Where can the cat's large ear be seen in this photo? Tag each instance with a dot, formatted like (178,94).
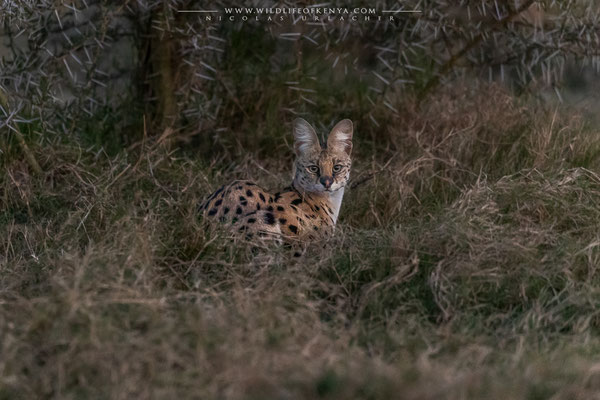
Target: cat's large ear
(340,137)
(305,138)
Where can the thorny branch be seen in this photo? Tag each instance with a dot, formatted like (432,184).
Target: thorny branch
(68,63)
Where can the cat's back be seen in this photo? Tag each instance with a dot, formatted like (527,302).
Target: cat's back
(235,200)
(248,208)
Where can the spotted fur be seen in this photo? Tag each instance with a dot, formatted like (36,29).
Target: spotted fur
(305,210)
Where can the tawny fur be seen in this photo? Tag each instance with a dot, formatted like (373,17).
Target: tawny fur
(305,210)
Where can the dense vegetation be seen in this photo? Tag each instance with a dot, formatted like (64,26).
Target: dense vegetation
(465,263)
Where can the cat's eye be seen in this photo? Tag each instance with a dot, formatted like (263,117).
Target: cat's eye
(313,169)
(337,167)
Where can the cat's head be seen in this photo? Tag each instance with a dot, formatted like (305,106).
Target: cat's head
(322,169)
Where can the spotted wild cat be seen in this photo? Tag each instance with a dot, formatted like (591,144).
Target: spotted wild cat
(309,207)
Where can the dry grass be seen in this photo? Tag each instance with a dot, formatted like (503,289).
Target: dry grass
(465,266)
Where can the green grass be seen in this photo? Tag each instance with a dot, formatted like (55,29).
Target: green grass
(465,265)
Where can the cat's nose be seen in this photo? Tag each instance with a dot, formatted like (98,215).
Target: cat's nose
(326,181)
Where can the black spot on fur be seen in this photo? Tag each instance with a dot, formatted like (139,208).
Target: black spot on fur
(293,229)
(269,218)
(270,208)
(282,220)
(244,203)
(260,195)
(250,184)
(270,199)
(234,220)
(242,198)
(218,203)
(279,208)
(296,201)
(317,208)
(217,192)
(238,210)
(316,228)
(249,193)
(277,196)
(294,208)
(225,210)
(212,212)
(257,206)
(251,220)
(296,254)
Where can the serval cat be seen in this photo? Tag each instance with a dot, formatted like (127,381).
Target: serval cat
(305,210)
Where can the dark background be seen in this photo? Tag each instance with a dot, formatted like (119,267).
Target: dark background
(465,260)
